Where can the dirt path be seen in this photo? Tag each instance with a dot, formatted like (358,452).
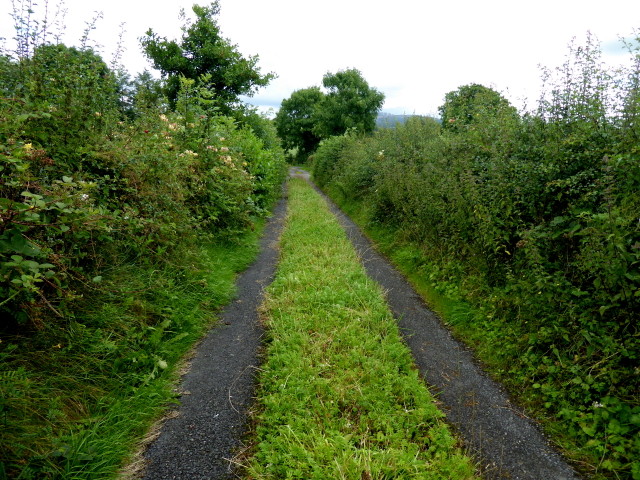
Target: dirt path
(211,419)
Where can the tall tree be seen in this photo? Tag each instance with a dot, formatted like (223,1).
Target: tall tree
(202,54)
(295,121)
(470,104)
(349,104)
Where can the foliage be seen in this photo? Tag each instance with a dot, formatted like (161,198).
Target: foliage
(344,361)
(533,219)
(203,51)
(310,115)
(62,97)
(111,209)
(470,105)
(296,122)
(349,104)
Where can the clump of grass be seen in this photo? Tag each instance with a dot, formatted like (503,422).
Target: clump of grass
(339,394)
(76,399)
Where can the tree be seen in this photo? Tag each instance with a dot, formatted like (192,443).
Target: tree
(202,51)
(310,115)
(469,104)
(296,122)
(349,104)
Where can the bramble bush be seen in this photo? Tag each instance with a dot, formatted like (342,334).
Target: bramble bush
(111,184)
(533,218)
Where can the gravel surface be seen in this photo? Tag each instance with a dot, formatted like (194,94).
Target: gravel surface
(496,432)
(218,389)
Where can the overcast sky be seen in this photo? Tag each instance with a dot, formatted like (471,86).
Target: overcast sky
(415,51)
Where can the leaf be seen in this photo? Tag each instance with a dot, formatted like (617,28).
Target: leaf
(31,265)
(97,279)
(588,429)
(8,204)
(66,179)
(19,244)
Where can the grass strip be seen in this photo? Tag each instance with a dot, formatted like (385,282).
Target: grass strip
(339,394)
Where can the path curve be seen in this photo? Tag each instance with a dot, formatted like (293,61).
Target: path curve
(218,388)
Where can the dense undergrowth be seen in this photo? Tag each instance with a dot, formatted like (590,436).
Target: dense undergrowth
(339,395)
(122,223)
(532,219)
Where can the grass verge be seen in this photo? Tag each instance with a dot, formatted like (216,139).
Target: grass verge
(339,394)
(77,396)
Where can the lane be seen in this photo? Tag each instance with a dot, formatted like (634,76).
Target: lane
(198,442)
(218,389)
(503,439)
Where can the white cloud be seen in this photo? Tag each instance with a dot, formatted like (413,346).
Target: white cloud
(415,51)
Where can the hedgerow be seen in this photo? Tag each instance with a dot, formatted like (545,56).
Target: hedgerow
(122,222)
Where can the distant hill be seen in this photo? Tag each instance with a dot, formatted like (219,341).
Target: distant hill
(389,120)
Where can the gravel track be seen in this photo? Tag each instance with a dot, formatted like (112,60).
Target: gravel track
(212,417)
(218,389)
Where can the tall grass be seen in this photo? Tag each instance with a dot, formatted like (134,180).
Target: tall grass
(76,401)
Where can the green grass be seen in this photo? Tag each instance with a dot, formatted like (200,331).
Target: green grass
(339,394)
(78,396)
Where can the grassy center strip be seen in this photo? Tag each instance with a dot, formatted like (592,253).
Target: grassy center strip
(339,394)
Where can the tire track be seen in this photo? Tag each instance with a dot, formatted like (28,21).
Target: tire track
(501,437)
(198,441)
